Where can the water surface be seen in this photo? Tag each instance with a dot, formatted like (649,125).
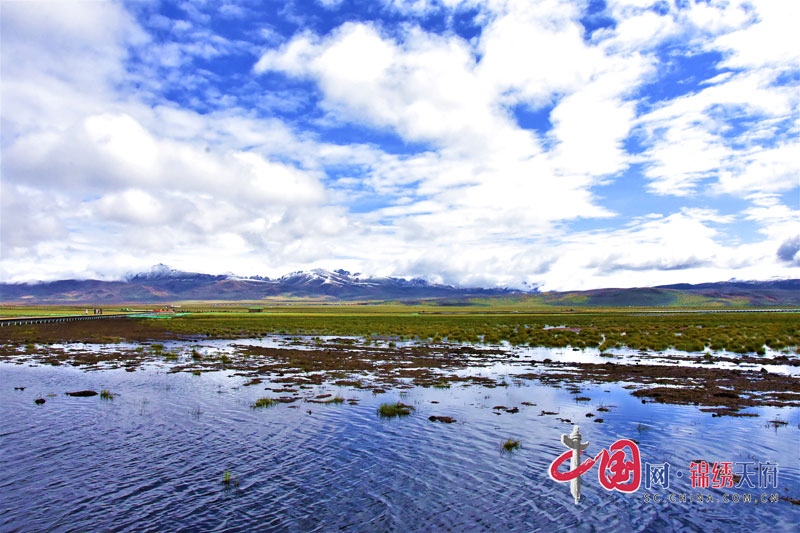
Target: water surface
(153,458)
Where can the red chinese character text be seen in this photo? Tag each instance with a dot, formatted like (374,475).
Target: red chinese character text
(699,474)
(615,472)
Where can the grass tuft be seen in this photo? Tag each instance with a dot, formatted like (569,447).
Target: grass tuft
(263,403)
(510,445)
(391,410)
(335,399)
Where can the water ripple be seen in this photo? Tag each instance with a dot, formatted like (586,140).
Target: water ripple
(154,457)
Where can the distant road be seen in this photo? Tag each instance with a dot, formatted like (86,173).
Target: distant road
(23,320)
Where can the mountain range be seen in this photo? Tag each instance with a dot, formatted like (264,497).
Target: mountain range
(164,284)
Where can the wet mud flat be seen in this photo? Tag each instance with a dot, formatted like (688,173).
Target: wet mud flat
(291,364)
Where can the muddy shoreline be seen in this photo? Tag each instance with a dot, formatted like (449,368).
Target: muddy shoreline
(305,362)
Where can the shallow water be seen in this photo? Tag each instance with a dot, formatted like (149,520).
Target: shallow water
(153,458)
(517,354)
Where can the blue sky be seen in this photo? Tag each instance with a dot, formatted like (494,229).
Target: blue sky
(558,144)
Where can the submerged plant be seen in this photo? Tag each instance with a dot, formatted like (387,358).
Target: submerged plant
(510,445)
(391,410)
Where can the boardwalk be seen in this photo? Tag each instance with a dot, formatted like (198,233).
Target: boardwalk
(21,321)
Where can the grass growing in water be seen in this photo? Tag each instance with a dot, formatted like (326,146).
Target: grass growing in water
(510,445)
(106,394)
(391,410)
(226,477)
(263,403)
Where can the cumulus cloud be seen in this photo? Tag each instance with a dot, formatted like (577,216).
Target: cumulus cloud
(130,138)
(789,250)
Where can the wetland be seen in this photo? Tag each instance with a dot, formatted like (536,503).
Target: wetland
(394,420)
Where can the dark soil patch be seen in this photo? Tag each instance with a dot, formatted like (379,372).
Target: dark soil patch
(443,419)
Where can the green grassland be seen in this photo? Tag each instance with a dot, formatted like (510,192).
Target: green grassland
(606,330)
(488,322)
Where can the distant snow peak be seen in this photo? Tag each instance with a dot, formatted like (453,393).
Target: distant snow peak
(158,271)
(315,281)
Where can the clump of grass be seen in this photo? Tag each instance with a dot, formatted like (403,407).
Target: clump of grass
(510,445)
(196,372)
(263,403)
(227,477)
(335,399)
(441,385)
(106,394)
(391,410)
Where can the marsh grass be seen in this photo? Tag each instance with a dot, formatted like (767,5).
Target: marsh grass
(510,445)
(263,403)
(603,329)
(335,400)
(391,410)
(106,394)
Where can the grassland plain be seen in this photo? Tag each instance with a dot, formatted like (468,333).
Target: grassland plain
(605,329)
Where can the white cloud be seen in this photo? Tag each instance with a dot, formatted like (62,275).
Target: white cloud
(100,177)
(770,41)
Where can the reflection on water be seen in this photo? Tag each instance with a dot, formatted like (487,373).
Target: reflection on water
(154,457)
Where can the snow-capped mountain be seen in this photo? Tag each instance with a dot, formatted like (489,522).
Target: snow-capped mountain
(162,283)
